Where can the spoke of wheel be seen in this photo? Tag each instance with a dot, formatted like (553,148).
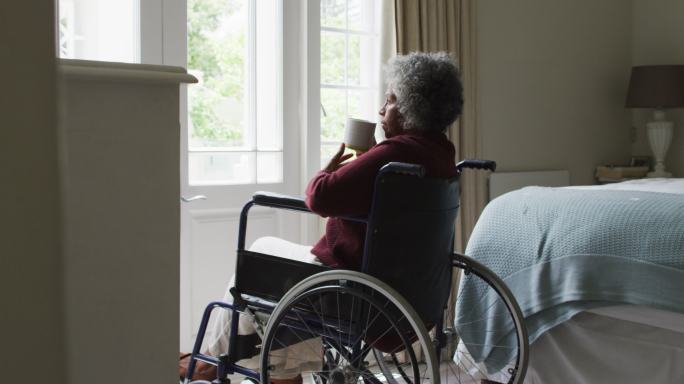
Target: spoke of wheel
(300,340)
(365,332)
(365,350)
(351,322)
(487,288)
(369,346)
(464,369)
(456,371)
(379,310)
(339,318)
(492,345)
(393,352)
(483,319)
(477,366)
(319,314)
(398,365)
(296,334)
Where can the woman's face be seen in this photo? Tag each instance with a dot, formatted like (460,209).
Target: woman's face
(390,115)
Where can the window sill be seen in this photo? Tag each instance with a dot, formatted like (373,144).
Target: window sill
(110,71)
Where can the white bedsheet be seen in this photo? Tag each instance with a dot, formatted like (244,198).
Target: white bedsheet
(615,344)
(593,348)
(644,315)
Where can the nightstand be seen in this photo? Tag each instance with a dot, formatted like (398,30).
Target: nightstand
(615,173)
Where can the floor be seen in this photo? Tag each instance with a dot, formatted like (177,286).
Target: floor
(447,374)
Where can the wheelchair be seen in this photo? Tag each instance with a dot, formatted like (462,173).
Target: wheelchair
(374,324)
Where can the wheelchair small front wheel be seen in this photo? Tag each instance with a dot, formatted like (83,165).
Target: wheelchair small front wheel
(336,319)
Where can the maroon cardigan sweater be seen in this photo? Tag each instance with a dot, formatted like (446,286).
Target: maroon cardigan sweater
(348,191)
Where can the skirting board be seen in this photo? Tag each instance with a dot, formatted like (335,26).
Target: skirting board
(502,182)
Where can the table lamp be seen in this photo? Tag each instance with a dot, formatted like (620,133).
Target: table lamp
(658,87)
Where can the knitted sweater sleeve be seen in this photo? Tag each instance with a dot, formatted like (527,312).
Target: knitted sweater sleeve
(348,191)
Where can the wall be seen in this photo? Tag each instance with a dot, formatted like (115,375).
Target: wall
(658,38)
(31,327)
(552,81)
(121,182)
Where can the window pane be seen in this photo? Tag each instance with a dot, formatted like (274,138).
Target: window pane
(221,167)
(102,30)
(332,58)
(333,13)
(216,55)
(349,68)
(353,58)
(269,167)
(268,129)
(361,15)
(361,53)
(362,105)
(332,122)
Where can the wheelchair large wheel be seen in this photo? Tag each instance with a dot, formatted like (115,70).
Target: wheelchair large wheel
(351,314)
(489,330)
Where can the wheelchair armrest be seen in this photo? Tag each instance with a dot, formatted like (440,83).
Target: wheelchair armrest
(477,164)
(276,200)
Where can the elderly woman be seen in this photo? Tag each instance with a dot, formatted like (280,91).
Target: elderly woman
(424,96)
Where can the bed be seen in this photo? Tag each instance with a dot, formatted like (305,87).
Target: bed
(598,272)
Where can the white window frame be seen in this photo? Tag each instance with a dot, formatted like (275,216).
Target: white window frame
(65,44)
(374,36)
(251,137)
(163,36)
(163,30)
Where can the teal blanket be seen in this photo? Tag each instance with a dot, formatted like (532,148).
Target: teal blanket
(562,251)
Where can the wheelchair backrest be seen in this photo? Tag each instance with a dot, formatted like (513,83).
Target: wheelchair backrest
(410,234)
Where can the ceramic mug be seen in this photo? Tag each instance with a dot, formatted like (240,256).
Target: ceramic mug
(359,134)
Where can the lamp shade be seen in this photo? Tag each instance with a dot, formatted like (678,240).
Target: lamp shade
(656,86)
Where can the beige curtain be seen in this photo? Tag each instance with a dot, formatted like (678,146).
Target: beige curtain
(449,25)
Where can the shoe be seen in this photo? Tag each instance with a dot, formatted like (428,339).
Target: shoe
(203,370)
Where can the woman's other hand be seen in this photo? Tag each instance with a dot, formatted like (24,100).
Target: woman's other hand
(373,143)
(337,160)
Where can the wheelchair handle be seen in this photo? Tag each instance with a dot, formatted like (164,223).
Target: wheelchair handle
(476,164)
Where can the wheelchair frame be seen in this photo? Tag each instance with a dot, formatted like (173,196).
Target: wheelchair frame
(305,276)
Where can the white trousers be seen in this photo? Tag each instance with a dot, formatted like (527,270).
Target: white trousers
(289,362)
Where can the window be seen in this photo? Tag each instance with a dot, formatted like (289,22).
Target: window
(234,116)
(235,134)
(349,74)
(102,30)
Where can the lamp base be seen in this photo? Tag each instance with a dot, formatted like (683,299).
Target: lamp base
(659,174)
(659,137)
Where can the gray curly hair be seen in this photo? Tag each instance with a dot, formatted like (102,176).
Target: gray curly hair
(428,89)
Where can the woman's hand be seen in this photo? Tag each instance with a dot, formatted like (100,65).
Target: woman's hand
(373,143)
(337,160)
